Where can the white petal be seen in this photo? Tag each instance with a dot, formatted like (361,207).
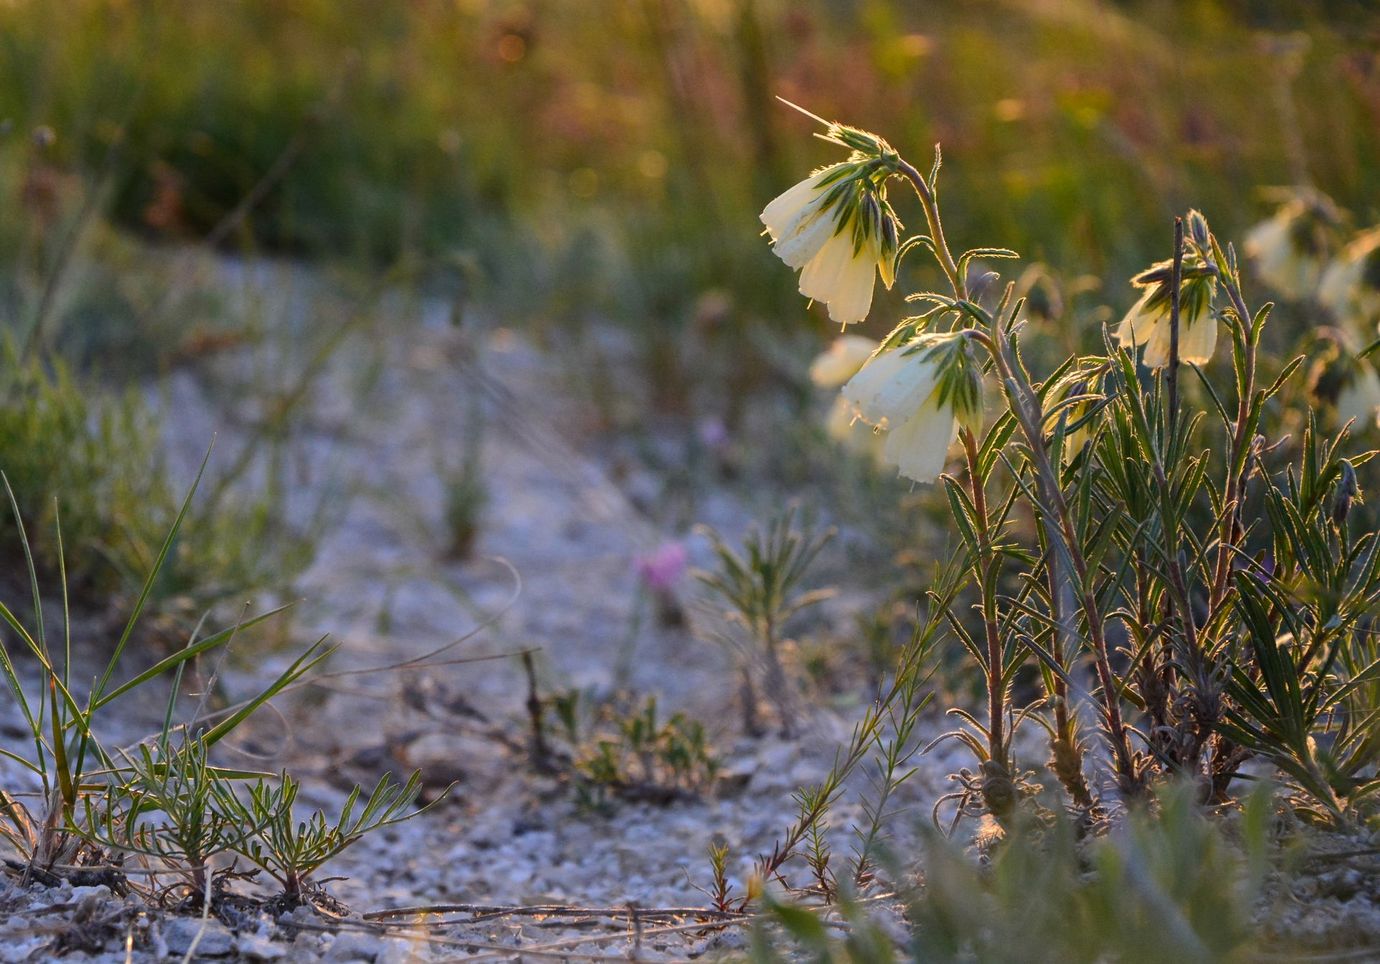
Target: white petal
(841,278)
(844,427)
(1078,437)
(892,386)
(819,278)
(805,239)
(1360,400)
(841,421)
(919,446)
(1355,304)
(787,208)
(1280,265)
(1157,347)
(1138,325)
(1196,341)
(852,298)
(1338,286)
(841,362)
(1265,238)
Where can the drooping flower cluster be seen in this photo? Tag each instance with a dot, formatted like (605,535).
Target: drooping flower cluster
(1290,248)
(1147,324)
(1350,286)
(838,230)
(919,393)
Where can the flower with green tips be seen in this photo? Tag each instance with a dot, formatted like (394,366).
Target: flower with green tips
(837,228)
(919,393)
(1147,323)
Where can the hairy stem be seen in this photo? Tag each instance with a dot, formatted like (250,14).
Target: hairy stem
(1066,751)
(987,563)
(936,227)
(1030,416)
(1242,435)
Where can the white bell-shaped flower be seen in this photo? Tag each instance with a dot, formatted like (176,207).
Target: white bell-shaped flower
(1149,327)
(837,230)
(1147,324)
(1289,248)
(917,394)
(1350,286)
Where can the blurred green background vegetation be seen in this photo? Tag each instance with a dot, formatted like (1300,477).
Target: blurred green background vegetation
(560,160)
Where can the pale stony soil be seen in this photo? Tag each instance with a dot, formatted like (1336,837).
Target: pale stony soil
(552,572)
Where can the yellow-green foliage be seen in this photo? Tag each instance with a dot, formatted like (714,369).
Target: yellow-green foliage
(95,464)
(94,458)
(635,140)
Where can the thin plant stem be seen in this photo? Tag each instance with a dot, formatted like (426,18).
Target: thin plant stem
(1242,434)
(1171,377)
(987,561)
(930,203)
(1068,754)
(1029,415)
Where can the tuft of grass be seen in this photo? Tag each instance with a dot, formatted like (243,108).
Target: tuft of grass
(162,802)
(292,850)
(763,589)
(630,754)
(65,729)
(99,455)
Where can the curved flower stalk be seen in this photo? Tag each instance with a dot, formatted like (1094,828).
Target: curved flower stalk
(1290,248)
(1147,324)
(1350,286)
(919,393)
(830,369)
(838,230)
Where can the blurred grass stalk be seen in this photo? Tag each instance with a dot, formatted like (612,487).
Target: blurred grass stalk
(646,135)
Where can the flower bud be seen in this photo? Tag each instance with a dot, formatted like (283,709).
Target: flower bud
(1197,231)
(1348,493)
